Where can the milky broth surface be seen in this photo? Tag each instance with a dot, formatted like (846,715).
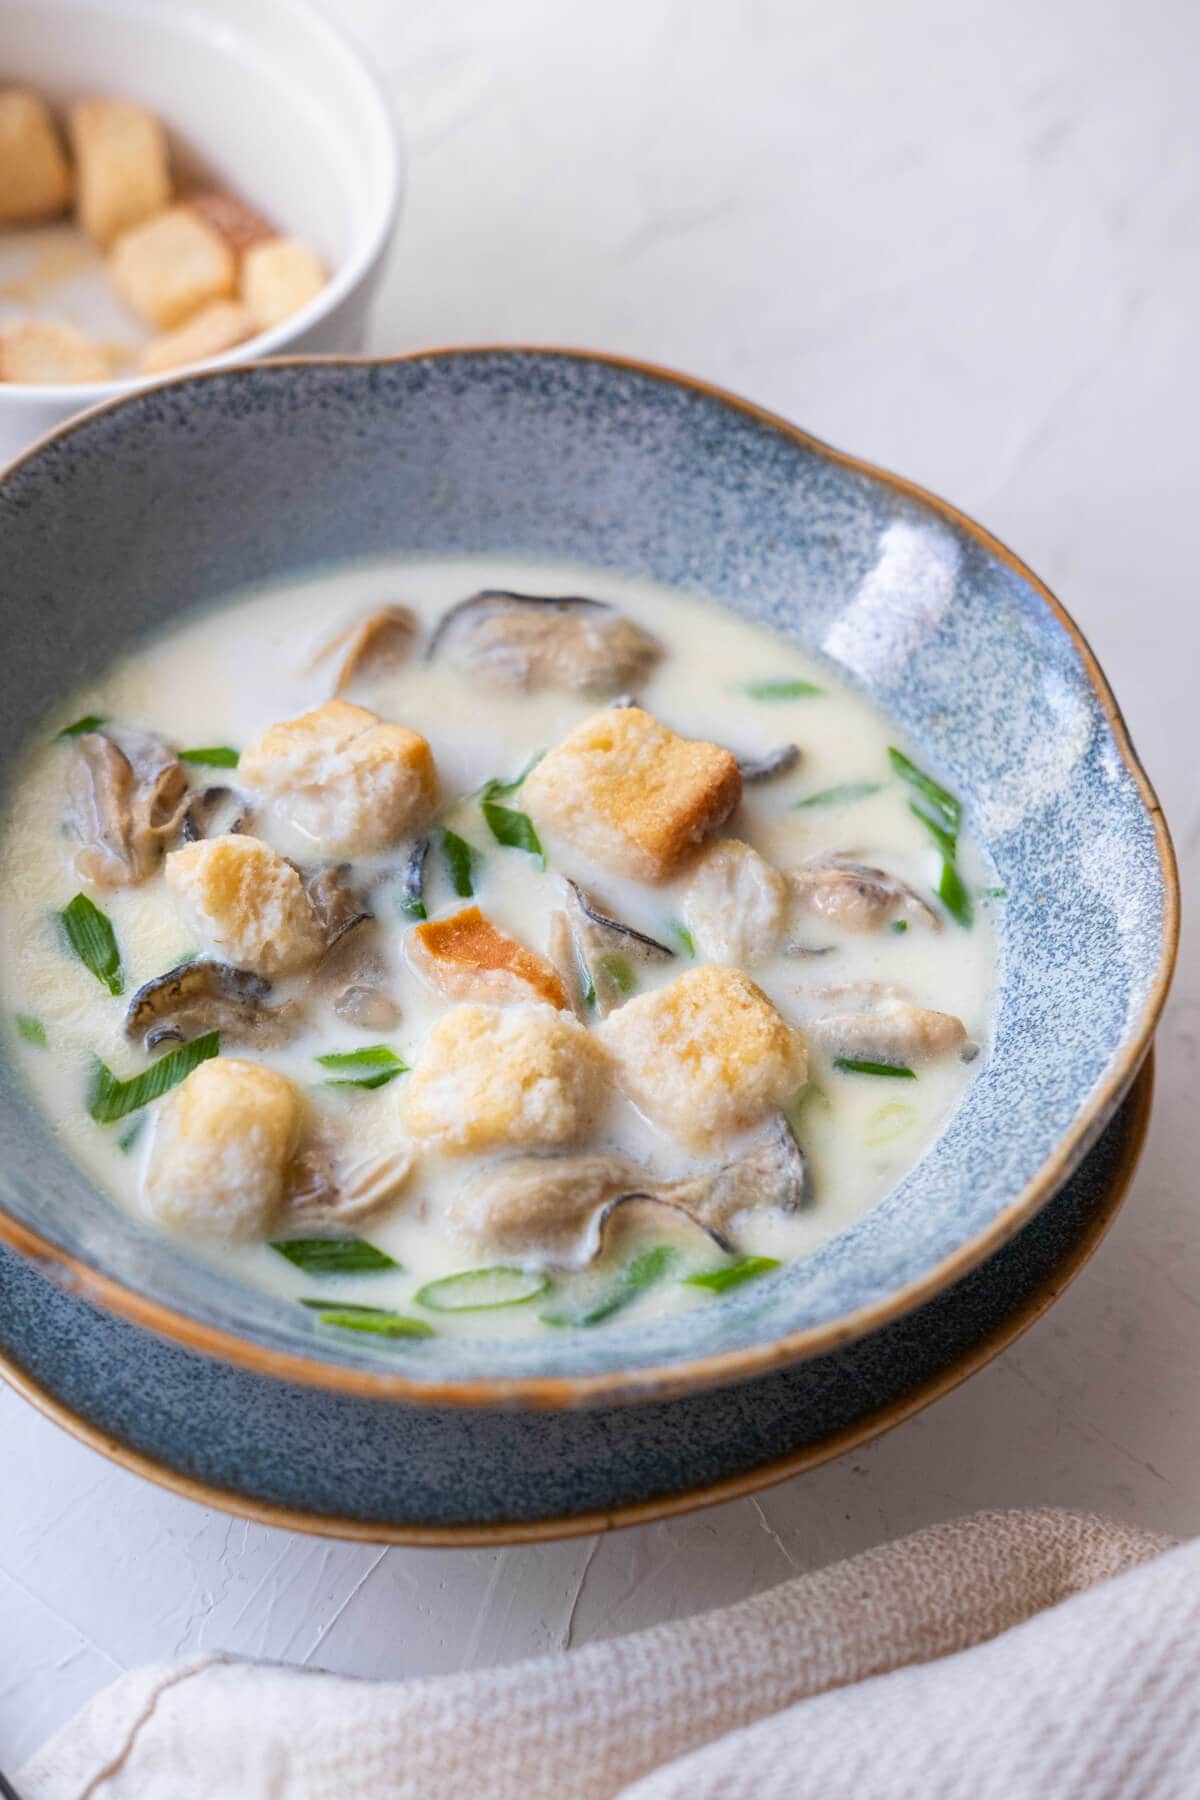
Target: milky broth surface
(222,677)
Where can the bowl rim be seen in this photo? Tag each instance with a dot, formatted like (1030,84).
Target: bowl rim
(555,1527)
(363,257)
(556,1392)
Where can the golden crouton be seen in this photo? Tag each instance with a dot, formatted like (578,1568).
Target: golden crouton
(35,182)
(706,1055)
(214,328)
(222,1144)
(35,350)
(493,1077)
(230,218)
(466,958)
(278,278)
(171,266)
(247,902)
(121,171)
(631,795)
(735,904)
(348,781)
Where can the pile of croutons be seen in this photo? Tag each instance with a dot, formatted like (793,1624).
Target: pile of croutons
(199,265)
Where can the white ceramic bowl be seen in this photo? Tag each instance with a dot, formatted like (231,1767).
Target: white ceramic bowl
(272,100)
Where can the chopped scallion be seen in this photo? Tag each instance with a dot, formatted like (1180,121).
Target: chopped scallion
(899,926)
(89,722)
(515,830)
(369,1055)
(858,1065)
(782,690)
(111,1099)
(942,804)
(645,1270)
(685,938)
(31,1029)
(845,795)
(214,756)
(483,1290)
(461,859)
(368,1318)
(334,1255)
(953,895)
(491,790)
(91,936)
(733,1274)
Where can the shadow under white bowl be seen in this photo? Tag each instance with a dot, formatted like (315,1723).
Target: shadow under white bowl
(271,100)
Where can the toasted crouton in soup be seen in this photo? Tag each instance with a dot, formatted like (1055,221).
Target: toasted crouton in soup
(35,181)
(171,266)
(524,1077)
(242,898)
(230,218)
(706,1055)
(221,1149)
(36,350)
(122,170)
(215,328)
(349,782)
(632,795)
(465,957)
(279,276)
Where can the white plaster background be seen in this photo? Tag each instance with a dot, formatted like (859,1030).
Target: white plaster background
(960,239)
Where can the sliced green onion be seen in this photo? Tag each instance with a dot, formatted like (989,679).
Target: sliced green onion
(89,722)
(215,756)
(731,1275)
(589,999)
(782,690)
(858,1065)
(993,893)
(367,1081)
(111,1099)
(941,815)
(945,808)
(91,936)
(646,1269)
(888,1122)
(383,1063)
(461,858)
(482,1290)
(515,830)
(953,895)
(335,1256)
(685,938)
(899,926)
(946,841)
(845,795)
(31,1029)
(368,1318)
(370,1055)
(491,790)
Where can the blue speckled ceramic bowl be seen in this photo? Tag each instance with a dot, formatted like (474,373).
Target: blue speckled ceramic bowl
(172,496)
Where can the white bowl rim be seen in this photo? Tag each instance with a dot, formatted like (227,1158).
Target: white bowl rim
(80,395)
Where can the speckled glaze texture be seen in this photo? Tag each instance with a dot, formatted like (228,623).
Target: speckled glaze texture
(345,1464)
(177,495)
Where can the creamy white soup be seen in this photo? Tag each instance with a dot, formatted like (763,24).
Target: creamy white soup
(480,945)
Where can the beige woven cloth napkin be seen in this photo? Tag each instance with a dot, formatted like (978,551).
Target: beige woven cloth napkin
(1008,1656)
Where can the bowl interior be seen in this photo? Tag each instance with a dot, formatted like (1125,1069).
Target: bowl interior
(182,493)
(266,99)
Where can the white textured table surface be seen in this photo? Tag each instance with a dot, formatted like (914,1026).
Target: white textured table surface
(961,240)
